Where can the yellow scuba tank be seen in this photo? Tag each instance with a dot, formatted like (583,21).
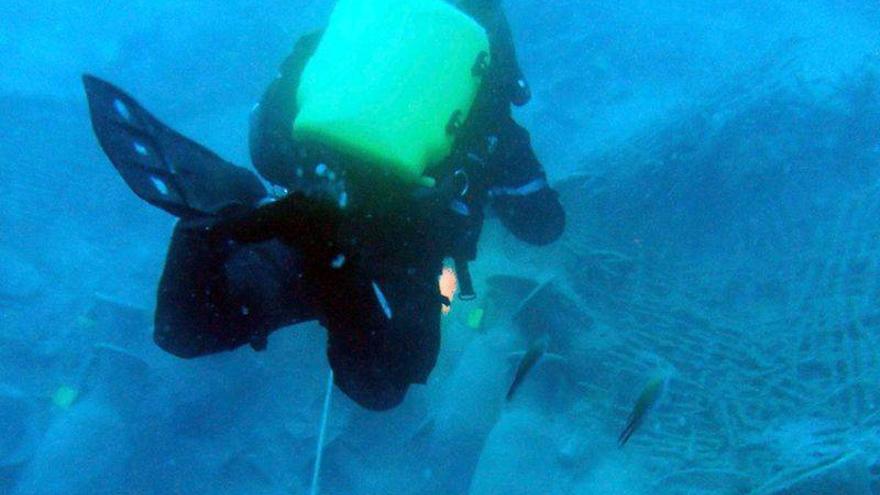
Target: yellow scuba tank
(390,81)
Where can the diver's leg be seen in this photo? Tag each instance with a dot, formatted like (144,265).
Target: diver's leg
(384,333)
(216,295)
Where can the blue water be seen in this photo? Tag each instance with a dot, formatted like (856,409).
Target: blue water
(719,162)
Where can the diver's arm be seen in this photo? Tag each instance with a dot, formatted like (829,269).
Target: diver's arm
(520,194)
(505,68)
(270,140)
(514,83)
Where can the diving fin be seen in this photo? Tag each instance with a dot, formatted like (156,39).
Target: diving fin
(161,166)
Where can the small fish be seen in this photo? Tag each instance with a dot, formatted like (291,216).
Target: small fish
(526,364)
(648,399)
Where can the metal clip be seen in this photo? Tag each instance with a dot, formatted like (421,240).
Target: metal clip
(481,65)
(454,124)
(462,182)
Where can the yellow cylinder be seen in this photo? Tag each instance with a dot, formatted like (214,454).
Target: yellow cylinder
(389,80)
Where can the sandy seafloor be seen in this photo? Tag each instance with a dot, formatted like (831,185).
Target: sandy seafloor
(719,163)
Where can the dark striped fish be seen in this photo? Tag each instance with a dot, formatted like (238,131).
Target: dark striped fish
(648,399)
(526,364)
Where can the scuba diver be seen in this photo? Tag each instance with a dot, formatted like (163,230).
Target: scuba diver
(336,239)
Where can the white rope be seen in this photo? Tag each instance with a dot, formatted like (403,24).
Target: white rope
(316,474)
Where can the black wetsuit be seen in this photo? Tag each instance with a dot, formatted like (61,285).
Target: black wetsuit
(365,267)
